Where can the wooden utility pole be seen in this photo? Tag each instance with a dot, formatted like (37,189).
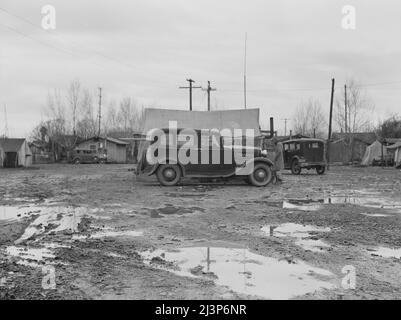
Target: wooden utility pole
(100,109)
(345,104)
(208,89)
(330,121)
(285,126)
(190,91)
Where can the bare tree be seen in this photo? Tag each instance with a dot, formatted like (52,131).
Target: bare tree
(309,119)
(359,109)
(73,97)
(86,125)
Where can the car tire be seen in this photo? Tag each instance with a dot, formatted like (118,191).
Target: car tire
(261,175)
(77,161)
(295,167)
(320,169)
(95,159)
(168,174)
(102,161)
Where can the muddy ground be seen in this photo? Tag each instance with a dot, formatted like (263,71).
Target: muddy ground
(109,235)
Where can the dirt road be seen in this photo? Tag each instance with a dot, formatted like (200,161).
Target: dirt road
(99,233)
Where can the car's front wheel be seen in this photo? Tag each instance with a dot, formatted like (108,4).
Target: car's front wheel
(320,169)
(261,175)
(77,161)
(295,167)
(169,174)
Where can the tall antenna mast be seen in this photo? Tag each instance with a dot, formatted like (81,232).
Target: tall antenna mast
(245,72)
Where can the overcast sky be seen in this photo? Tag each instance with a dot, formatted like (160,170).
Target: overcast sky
(147,48)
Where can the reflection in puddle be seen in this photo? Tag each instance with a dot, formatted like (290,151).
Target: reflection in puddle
(365,200)
(242,271)
(388,252)
(302,233)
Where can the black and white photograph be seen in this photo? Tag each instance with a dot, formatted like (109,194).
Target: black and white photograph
(223,151)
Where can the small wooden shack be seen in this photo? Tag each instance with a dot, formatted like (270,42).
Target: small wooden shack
(115,149)
(14,153)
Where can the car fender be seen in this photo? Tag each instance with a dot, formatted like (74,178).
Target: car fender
(156,166)
(247,169)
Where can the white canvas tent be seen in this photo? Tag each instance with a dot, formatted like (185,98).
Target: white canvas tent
(231,119)
(197,120)
(397,153)
(373,152)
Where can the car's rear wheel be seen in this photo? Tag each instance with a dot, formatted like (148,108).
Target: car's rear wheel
(295,167)
(169,174)
(95,159)
(320,169)
(261,175)
(77,161)
(102,161)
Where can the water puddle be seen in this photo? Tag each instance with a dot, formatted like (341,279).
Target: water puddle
(9,213)
(108,232)
(366,200)
(376,214)
(242,271)
(386,252)
(303,204)
(54,219)
(172,210)
(29,256)
(304,235)
(363,199)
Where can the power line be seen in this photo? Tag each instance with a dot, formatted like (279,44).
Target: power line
(76,45)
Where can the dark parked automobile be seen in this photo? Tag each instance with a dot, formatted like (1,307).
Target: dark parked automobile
(305,154)
(256,171)
(88,156)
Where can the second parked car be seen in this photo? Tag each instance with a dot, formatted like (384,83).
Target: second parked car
(88,156)
(305,154)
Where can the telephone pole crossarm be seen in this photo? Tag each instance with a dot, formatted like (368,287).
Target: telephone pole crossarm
(208,90)
(190,91)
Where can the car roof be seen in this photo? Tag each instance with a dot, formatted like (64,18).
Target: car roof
(304,140)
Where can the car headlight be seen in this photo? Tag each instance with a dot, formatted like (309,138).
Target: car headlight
(264,152)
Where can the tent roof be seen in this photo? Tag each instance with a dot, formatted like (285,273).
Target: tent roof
(110,139)
(230,119)
(366,137)
(11,145)
(395,146)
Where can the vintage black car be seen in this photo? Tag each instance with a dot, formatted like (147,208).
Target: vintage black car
(305,154)
(256,171)
(88,156)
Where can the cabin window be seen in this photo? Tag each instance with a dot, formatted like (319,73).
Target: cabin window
(292,146)
(286,147)
(298,146)
(315,145)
